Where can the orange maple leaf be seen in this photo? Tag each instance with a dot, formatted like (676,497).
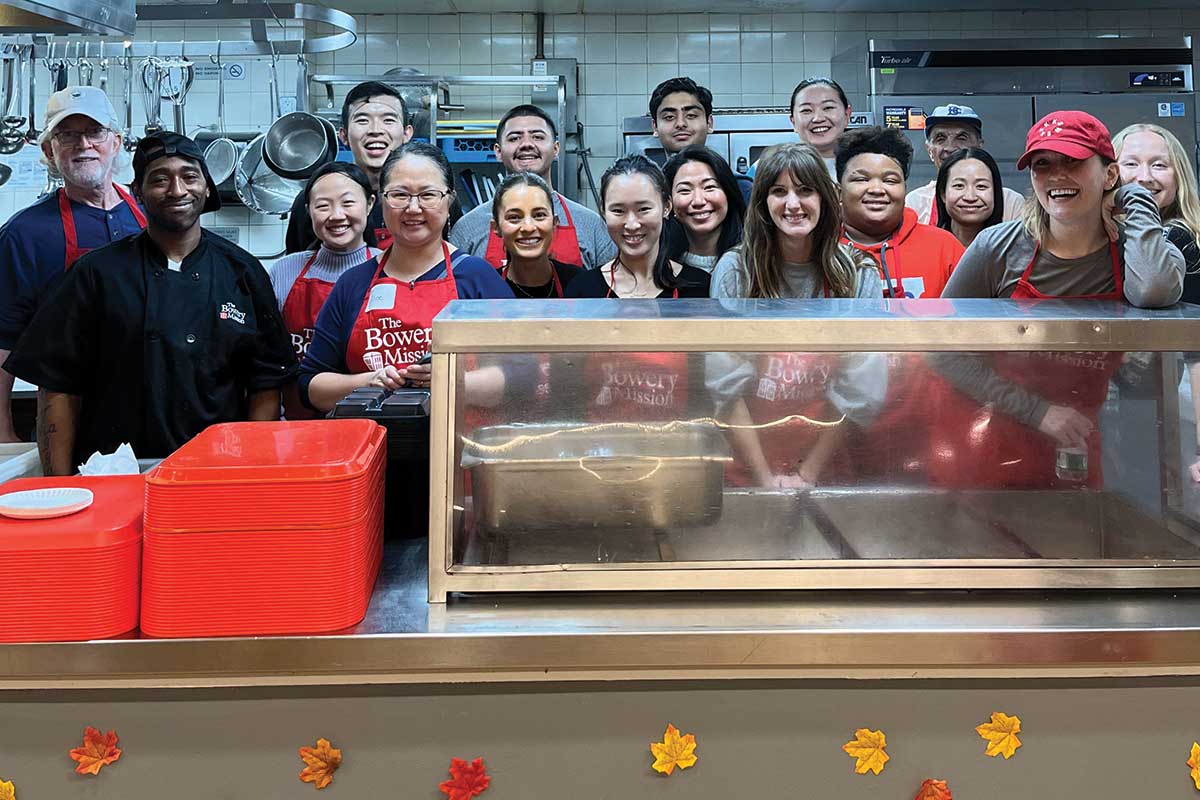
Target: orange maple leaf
(320,763)
(867,750)
(98,750)
(468,778)
(1001,734)
(1194,762)
(7,790)
(673,751)
(933,790)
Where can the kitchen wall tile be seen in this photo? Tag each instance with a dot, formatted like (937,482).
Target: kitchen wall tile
(756,22)
(693,23)
(444,47)
(724,48)
(756,47)
(846,40)
(599,23)
(697,72)
(568,23)
(975,20)
(693,47)
(724,22)
(631,23)
(815,69)
(657,73)
(599,109)
(507,23)
(662,23)
(787,22)
(914,21)
(662,48)
(412,24)
(725,81)
(632,79)
(759,100)
(819,22)
(600,48)
(412,49)
(506,48)
(1166,19)
(381,23)
(475,23)
(885,22)
(818,45)
(944,21)
(756,77)
(631,48)
(850,21)
(600,79)
(381,48)
(788,47)
(475,48)
(443,23)
(605,141)
(784,78)
(629,105)
(568,45)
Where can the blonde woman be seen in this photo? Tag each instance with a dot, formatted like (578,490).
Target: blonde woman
(790,250)
(1151,156)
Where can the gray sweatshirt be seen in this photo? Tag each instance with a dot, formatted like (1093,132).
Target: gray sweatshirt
(1153,266)
(471,232)
(995,261)
(861,383)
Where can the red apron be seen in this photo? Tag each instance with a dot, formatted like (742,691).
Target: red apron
(976,447)
(933,217)
(396,318)
(300,310)
(564,246)
(558,287)
(74,251)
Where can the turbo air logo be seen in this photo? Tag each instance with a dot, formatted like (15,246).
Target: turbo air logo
(231,312)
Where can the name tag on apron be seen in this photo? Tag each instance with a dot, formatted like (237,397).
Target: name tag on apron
(383,297)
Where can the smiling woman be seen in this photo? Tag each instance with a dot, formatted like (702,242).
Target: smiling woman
(707,208)
(820,113)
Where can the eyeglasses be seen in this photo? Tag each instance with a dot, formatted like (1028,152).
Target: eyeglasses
(94,136)
(428,199)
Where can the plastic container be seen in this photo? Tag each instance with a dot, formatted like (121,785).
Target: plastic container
(19,460)
(76,577)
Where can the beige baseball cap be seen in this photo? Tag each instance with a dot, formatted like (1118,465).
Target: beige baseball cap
(86,100)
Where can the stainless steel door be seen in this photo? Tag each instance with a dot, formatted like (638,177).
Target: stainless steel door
(1006,119)
(746,148)
(1175,112)
(649,146)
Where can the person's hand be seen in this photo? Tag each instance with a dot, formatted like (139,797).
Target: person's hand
(1110,212)
(419,376)
(1194,470)
(388,378)
(1066,426)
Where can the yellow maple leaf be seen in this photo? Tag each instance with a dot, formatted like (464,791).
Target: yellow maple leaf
(1193,762)
(1001,734)
(320,763)
(867,748)
(673,751)
(8,791)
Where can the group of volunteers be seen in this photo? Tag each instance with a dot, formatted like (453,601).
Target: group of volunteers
(164,328)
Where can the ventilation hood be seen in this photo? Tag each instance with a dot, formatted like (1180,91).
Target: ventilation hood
(104,17)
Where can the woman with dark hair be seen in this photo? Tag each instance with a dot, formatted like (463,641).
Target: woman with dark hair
(374,328)
(969,194)
(707,208)
(820,112)
(523,221)
(338,199)
(806,401)
(636,200)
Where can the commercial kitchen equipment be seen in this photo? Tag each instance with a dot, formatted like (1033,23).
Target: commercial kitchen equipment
(1012,83)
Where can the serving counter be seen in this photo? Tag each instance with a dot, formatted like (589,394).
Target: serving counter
(771,621)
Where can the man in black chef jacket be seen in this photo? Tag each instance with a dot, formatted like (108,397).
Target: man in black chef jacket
(151,339)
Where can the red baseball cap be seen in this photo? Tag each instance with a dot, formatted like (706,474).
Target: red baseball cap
(1075,134)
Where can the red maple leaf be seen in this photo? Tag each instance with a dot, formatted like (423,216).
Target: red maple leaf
(469,779)
(933,790)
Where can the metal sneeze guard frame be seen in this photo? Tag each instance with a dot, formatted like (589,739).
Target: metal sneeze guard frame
(565,326)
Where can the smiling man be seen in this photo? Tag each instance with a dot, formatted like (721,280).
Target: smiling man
(527,141)
(374,123)
(40,243)
(151,339)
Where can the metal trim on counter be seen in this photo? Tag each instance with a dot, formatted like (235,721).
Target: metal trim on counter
(836,325)
(664,636)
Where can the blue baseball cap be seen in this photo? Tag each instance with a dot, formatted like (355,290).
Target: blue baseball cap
(964,115)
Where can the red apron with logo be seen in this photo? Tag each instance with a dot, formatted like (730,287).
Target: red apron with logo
(73,250)
(300,309)
(977,447)
(564,246)
(395,320)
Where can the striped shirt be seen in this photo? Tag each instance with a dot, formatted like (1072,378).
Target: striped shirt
(329,266)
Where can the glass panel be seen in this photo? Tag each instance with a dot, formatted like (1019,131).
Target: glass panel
(610,458)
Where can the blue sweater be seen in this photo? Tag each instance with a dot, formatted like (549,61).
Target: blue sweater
(475,278)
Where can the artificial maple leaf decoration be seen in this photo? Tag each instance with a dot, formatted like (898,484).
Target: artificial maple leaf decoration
(673,751)
(933,790)
(1001,734)
(8,791)
(1194,762)
(320,763)
(469,778)
(867,749)
(99,750)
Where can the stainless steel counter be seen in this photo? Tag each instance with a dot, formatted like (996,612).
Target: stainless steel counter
(660,636)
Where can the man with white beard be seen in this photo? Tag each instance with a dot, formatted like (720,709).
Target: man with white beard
(80,142)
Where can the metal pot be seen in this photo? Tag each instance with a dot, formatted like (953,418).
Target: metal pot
(297,144)
(258,187)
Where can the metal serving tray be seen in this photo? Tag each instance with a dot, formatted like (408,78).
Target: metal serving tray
(607,475)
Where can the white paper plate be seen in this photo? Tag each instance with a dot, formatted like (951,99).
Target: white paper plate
(45,503)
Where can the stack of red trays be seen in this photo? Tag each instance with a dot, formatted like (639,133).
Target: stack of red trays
(72,578)
(259,528)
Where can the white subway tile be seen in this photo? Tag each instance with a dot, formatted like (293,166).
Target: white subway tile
(756,22)
(693,47)
(568,45)
(819,21)
(600,109)
(605,141)
(944,21)
(818,45)
(443,23)
(724,22)
(413,49)
(975,20)
(657,73)
(633,81)
(506,48)
(381,23)
(788,47)
(725,81)
(506,23)
(697,72)
(724,48)
(600,78)
(412,23)
(444,47)
(662,48)
(662,23)
(886,23)
(568,23)
(784,78)
(693,23)
(914,21)
(756,47)
(475,48)
(629,105)
(599,23)
(850,21)
(382,49)
(787,22)
(756,77)
(600,48)
(631,48)
(631,23)
(474,23)
(760,100)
